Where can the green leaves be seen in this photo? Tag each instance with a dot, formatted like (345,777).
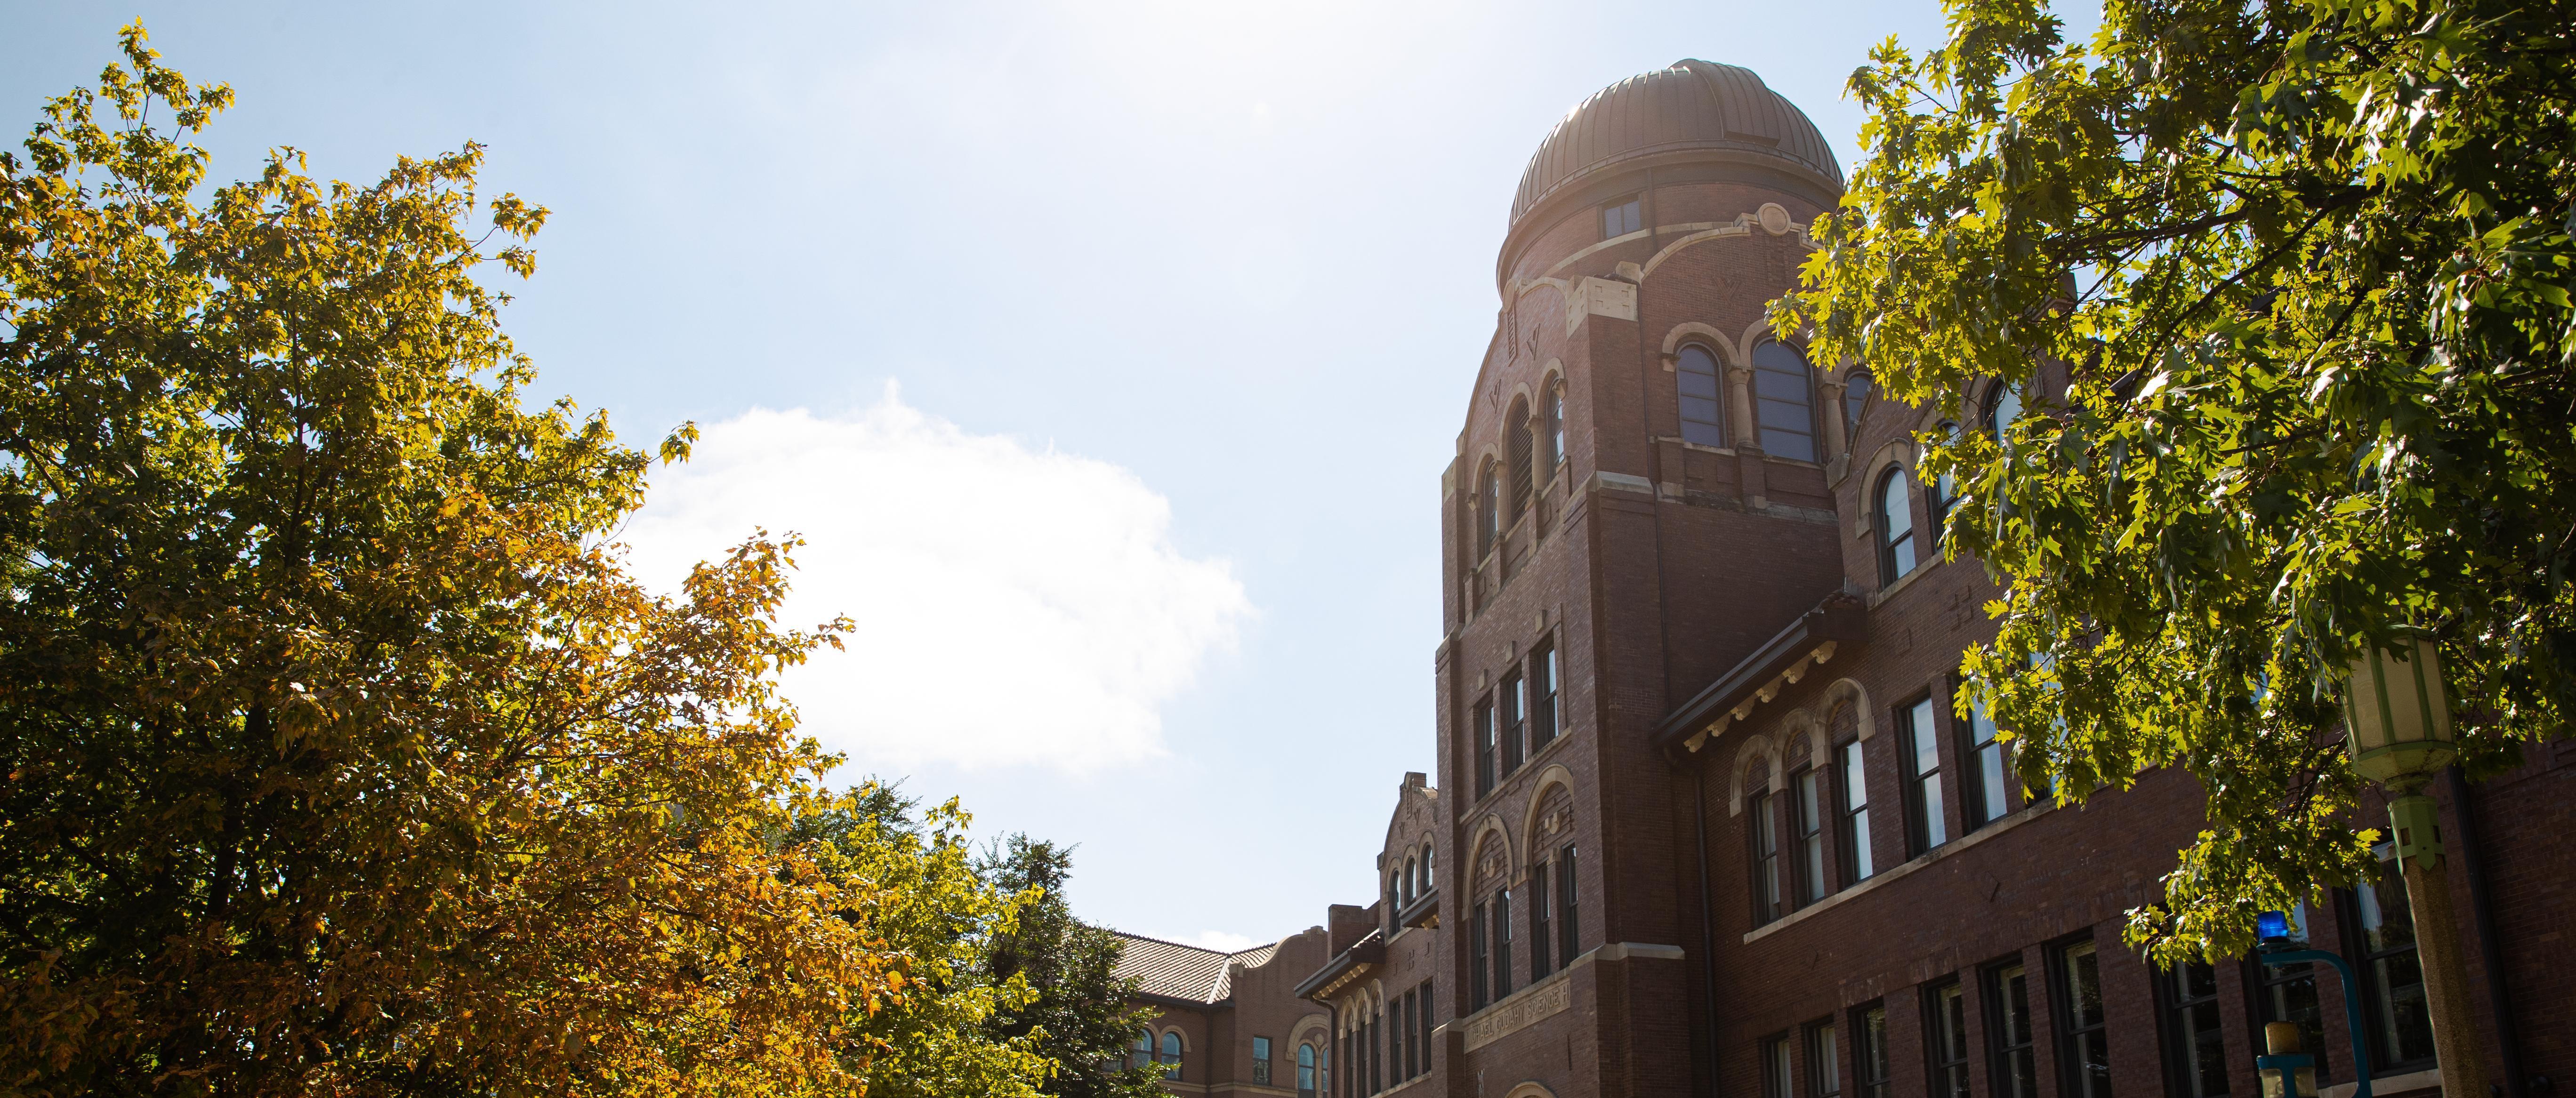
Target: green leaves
(2309,386)
(342,756)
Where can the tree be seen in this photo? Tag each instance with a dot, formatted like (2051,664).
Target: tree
(341,755)
(937,920)
(2307,263)
(1084,1016)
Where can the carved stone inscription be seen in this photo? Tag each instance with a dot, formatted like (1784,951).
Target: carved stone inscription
(1510,1017)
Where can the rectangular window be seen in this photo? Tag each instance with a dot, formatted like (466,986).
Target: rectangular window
(1543,722)
(1824,1063)
(1541,897)
(1925,827)
(1478,957)
(2083,1045)
(1869,1052)
(1985,770)
(1807,820)
(1855,829)
(1764,832)
(1565,929)
(2288,993)
(2012,1066)
(1945,1033)
(1775,1068)
(1620,218)
(1261,1060)
(2401,1022)
(1422,1038)
(2195,1046)
(1502,943)
(1512,702)
(1484,747)
(1399,1054)
(1377,1051)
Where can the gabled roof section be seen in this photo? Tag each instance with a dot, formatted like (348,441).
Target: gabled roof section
(1186,973)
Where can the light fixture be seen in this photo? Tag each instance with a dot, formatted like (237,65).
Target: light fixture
(2398,716)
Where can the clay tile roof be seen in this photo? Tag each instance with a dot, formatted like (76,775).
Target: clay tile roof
(1174,971)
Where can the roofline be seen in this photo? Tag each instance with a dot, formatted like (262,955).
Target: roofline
(1368,952)
(1186,945)
(1838,620)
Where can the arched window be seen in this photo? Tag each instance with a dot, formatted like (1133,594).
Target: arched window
(1394,899)
(1555,431)
(1784,400)
(1703,408)
(2003,406)
(1412,880)
(1895,527)
(1172,1055)
(1489,511)
(1430,880)
(1521,475)
(1856,394)
(1944,490)
(1306,1071)
(1141,1054)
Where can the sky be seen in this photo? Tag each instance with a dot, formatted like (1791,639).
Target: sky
(1106,353)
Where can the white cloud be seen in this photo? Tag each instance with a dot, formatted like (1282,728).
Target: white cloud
(1014,606)
(1220,941)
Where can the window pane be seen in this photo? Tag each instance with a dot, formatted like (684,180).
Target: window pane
(1695,383)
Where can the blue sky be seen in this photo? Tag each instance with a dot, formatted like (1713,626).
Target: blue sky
(1108,352)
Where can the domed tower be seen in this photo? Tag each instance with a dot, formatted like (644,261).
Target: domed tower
(1641,498)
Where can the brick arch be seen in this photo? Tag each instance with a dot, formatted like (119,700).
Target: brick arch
(1531,1088)
(1846,692)
(1801,730)
(1556,780)
(1689,330)
(1492,841)
(1756,750)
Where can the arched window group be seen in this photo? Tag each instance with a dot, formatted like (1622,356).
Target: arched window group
(1533,452)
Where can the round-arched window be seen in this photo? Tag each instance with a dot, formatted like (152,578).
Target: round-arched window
(1784,401)
(1141,1054)
(1172,1055)
(2003,406)
(1489,510)
(1703,410)
(1555,411)
(1895,527)
(1412,880)
(1856,394)
(1306,1071)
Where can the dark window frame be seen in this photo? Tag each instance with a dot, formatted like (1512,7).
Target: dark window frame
(1552,427)
(1480,716)
(1801,381)
(1500,910)
(1546,715)
(2072,1032)
(1981,803)
(1762,839)
(1778,1065)
(1856,862)
(1710,432)
(1945,1069)
(2376,996)
(1893,543)
(1624,215)
(2012,1066)
(1813,868)
(1568,928)
(1822,1047)
(1541,899)
(1479,954)
(1873,1072)
(1511,716)
(2177,1034)
(1260,1059)
(1927,823)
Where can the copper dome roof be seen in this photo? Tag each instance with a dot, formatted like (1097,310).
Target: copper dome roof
(1692,105)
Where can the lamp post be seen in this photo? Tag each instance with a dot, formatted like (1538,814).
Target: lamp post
(2399,721)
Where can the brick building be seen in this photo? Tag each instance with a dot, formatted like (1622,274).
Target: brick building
(1705,822)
